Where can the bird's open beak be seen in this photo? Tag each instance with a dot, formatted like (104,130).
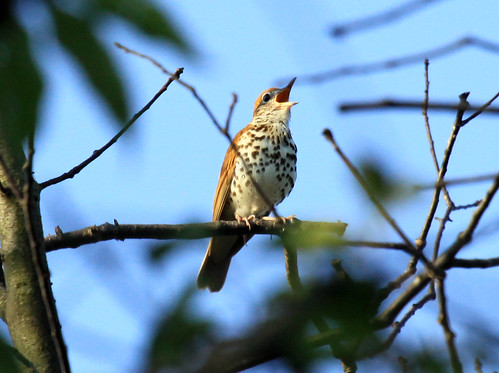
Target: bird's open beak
(283,95)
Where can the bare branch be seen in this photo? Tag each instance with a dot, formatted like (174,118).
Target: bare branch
(466,235)
(457,181)
(482,109)
(448,200)
(329,136)
(389,103)
(372,67)
(443,319)
(121,232)
(475,263)
(397,326)
(229,115)
(75,170)
(463,104)
(399,11)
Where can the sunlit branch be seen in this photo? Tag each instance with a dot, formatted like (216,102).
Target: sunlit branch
(105,232)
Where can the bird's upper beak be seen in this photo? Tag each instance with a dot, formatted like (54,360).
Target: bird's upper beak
(283,95)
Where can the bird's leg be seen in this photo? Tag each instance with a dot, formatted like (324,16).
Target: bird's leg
(245,219)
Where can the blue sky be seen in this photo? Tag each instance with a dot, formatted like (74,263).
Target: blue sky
(165,169)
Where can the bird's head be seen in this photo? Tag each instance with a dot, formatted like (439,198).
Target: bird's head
(274,102)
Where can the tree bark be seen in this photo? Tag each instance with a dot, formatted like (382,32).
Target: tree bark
(23,307)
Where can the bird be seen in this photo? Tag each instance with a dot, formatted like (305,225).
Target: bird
(262,153)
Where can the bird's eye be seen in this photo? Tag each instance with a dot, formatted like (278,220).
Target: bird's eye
(266,97)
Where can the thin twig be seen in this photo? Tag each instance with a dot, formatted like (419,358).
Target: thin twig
(397,326)
(392,63)
(443,319)
(465,236)
(458,181)
(444,261)
(391,103)
(463,104)
(229,115)
(75,170)
(329,136)
(381,19)
(440,233)
(480,110)
(428,130)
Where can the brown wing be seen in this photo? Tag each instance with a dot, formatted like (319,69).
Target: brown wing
(221,249)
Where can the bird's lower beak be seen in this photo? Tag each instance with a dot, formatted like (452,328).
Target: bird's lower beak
(283,95)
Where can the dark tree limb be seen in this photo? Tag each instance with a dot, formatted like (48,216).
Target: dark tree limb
(121,232)
(475,263)
(389,104)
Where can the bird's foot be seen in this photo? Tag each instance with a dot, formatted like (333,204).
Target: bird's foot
(245,219)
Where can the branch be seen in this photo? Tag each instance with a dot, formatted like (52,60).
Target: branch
(75,170)
(458,181)
(465,236)
(475,263)
(444,261)
(121,232)
(400,61)
(229,115)
(482,109)
(389,103)
(379,19)
(443,319)
(291,261)
(397,327)
(329,136)
(463,104)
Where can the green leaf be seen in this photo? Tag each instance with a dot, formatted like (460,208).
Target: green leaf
(177,338)
(148,18)
(8,356)
(79,40)
(21,84)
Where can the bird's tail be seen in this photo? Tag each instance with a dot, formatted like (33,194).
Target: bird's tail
(217,261)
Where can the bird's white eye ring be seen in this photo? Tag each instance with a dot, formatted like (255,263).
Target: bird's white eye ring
(266,97)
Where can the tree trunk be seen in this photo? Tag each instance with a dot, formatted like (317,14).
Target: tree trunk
(23,307)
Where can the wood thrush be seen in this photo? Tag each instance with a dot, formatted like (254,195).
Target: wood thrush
(262,153)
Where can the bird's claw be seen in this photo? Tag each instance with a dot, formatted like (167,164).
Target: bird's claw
(245,219)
